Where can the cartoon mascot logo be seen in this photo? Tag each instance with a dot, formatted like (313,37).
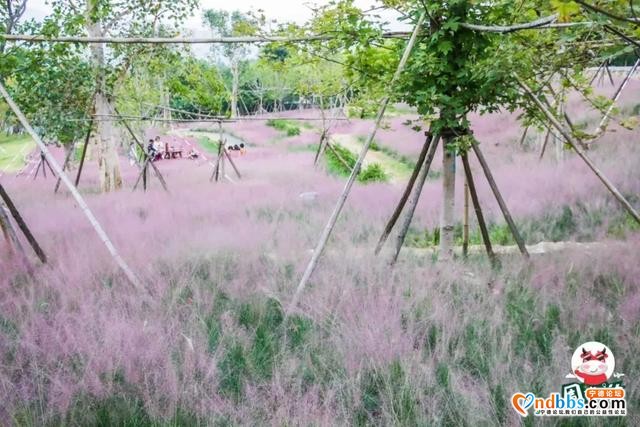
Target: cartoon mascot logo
(592,363)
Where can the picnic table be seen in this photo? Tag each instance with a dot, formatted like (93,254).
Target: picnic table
(172,152)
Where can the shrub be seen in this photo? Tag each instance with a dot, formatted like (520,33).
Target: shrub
(372,173)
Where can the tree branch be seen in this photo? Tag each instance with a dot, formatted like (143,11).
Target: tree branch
(547,20)
(611,15)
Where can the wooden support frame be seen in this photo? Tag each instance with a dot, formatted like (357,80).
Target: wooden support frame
(74,192)
(43,163)
(141,146)
(576,147)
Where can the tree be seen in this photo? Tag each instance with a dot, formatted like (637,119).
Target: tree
(458,67)
(10,13)
(225,24)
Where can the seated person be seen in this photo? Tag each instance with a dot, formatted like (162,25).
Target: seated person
(193,154)
(243,150)
(151,149)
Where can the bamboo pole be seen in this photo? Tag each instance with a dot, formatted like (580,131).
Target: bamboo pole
(407,192)
(412,203)
(503,206)
(74,192)
(477,208)
(22,225)
(324,237)
(612,188)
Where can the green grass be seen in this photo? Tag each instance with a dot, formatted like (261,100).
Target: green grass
(289,127)
(372,173)
(13,148)
(208,144)
(406,164)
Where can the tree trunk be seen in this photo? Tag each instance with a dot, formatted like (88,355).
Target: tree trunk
(107,155)
(235,72)
(448,201)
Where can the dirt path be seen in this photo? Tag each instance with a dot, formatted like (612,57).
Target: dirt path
(397,171)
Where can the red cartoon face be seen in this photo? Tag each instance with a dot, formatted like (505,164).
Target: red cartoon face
(594,364)
(593,368)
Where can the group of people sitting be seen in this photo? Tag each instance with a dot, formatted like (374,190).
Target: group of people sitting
(237,147)
(156,151)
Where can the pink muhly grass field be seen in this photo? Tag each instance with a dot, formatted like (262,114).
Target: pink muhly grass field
(206,341)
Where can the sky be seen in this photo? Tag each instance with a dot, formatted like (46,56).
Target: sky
(281,10)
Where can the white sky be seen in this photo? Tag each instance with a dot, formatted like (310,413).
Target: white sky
(282,10)
(297,11)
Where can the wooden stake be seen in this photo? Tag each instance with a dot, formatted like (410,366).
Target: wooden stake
(324,237)
(65,165)
(22,225)
(74,192)
(9,232)
(503,206)
(321,146)
(476,206)
(415,198)
(574,144)
(143,174)
(524,136)
(405,196)
(233,165)
(84,152)
(38,169)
